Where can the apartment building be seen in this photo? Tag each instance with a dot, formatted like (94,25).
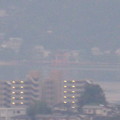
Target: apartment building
(62,91)
(72,89)
(23,92)
(5,90)
(20,93)
(51,88)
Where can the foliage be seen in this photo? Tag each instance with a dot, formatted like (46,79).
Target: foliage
(38,108)
(93,94)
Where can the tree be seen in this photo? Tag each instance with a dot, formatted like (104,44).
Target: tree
(38,108)
(93,94)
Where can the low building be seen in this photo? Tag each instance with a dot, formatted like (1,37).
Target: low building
(9,113)
(99,110)
(57,117)
(20,117)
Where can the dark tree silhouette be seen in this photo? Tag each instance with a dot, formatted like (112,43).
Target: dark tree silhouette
(93,94)
(37,108)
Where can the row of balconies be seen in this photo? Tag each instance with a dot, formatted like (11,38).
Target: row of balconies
(75,82)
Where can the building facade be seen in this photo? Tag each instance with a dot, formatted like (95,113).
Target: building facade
(25,92)
(71,91)
(5,91)
(51,88)
(62,91)
(20,93)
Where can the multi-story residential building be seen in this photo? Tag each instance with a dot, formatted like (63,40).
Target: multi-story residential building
(51,90)
(20,93)
(24,92)
(72,89)
(54,90)
(57,91)
(5,89)
(17,93)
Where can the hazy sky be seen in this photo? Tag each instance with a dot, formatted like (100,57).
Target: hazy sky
(70,24)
